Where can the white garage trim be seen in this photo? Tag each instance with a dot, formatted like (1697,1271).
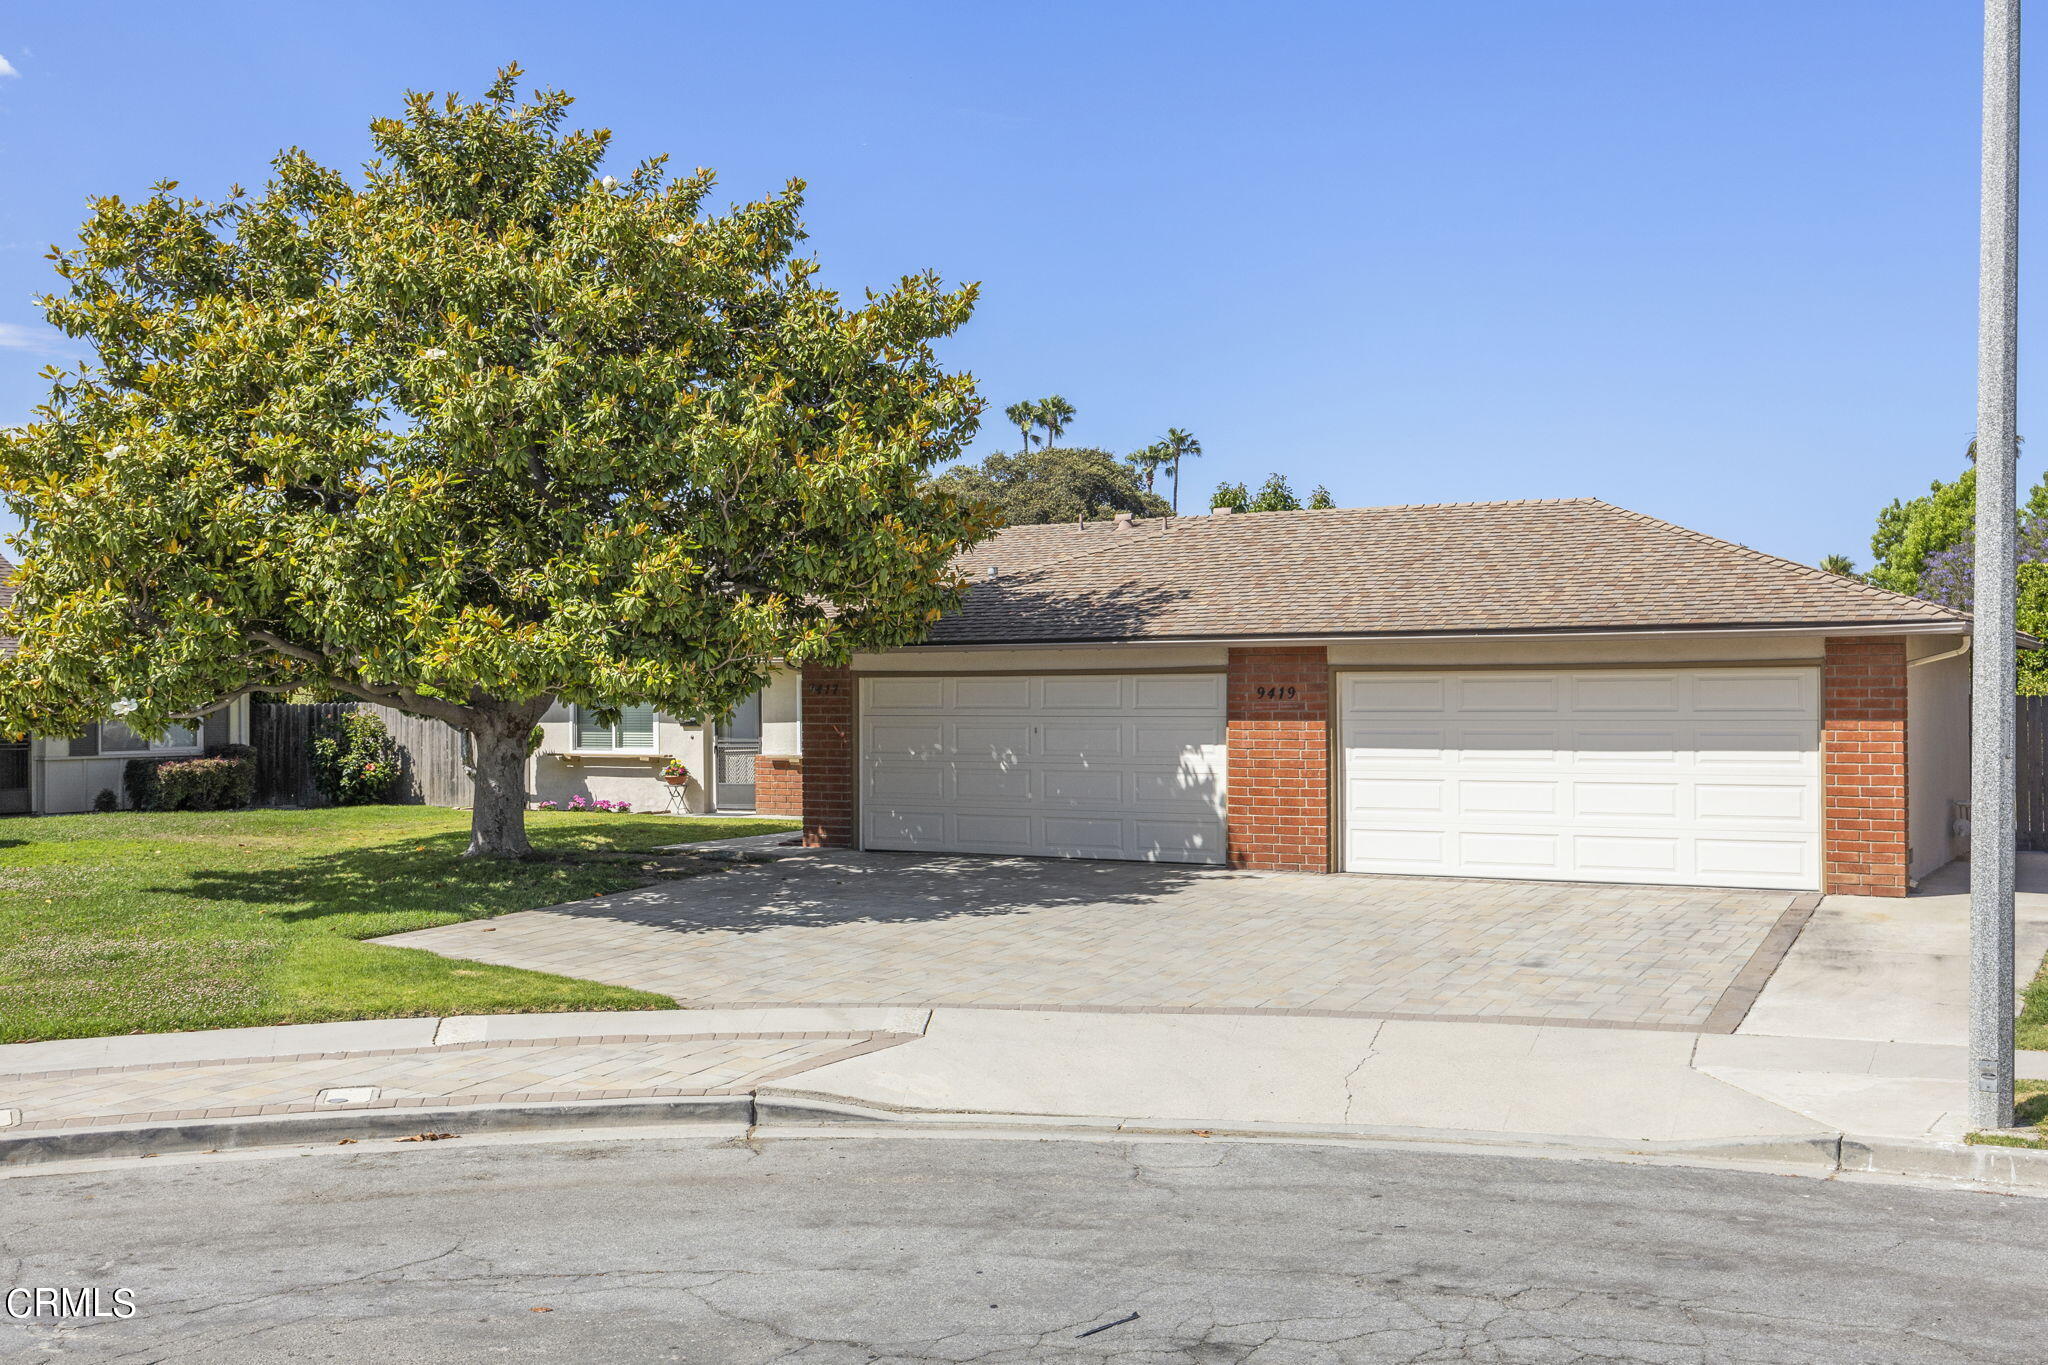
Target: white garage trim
(1076,765)
(1689,776)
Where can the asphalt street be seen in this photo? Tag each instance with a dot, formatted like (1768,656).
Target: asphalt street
(893,1249)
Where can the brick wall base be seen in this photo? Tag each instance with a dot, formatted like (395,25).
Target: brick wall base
(828,757)
(1279,738)
(1863,763)
(779,785)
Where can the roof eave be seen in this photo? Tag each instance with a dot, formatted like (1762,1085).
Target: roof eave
(1937,627)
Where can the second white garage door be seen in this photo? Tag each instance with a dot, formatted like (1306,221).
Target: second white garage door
(1704,777)
(1065,765)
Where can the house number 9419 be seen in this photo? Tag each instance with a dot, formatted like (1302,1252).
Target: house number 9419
(1266,693)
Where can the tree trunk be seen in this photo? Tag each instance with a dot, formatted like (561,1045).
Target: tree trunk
(497,823)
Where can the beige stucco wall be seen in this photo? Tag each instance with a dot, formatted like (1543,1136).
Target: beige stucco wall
(1030,660)
(557,773)
(1937,750)
(62,785)
(1567,651)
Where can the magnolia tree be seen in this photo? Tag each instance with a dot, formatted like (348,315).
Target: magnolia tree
(475,431)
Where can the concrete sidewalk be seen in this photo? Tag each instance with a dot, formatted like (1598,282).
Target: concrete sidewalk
(1705,1096)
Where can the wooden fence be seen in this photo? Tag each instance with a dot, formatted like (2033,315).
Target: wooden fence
(2031,741)
(432,754)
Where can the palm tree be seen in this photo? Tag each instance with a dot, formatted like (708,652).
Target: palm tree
(1023,416)
(1838,564)
(1053,414)
(1179,445)
(1145,463)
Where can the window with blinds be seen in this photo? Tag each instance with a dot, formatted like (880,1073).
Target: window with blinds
(633,733)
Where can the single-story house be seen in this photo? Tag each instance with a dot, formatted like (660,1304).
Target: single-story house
(733,763)
(65,776)
(1552,689)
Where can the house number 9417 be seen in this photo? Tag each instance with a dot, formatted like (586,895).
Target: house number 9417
(1267,693)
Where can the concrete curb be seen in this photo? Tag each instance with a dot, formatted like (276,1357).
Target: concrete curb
(86,1143)
(1822,1153)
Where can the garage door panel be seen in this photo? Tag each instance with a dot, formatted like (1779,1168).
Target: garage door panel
(1706,776)
(1787,693)
(990,742)
(1626,800)
(1100,766)
(1613,692)
(1625,857)
(1198,693)
(909,782)
(1064,739)
(1483,692)
(1419,796)
(924,695)
(1754,802)
(972,784)
(1480,746)
(1754,858)
(906,739)
(1395,694)
(1509,853)
(991,694)
(1011,831)
(1383,746)
(1486,796)
(1094,694)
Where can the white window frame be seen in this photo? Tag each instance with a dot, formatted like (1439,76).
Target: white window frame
(150,747)
(653,744)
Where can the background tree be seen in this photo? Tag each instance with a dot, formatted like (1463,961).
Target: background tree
(1024,417)
(1839,564)
(1276,495)
(1053,414)
(1232,495)
(1145,464)
(1949,578)
(1179,445)
(1910,531)
(1319,499)
(1064,483)
(471,433)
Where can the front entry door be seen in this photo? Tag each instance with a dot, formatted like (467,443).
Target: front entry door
(14,792)
(736,744)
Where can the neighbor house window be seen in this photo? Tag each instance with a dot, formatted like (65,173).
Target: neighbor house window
(634,731)
(117,738)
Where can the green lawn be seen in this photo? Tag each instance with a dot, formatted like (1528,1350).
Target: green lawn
(142,923)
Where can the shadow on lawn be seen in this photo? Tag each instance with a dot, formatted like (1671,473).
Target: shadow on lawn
(822,889)
(423,879)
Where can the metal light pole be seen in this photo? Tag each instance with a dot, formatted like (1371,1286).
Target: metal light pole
(1992,822)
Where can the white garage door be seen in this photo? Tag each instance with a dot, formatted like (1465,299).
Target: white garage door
(1705,777)
(1078,766)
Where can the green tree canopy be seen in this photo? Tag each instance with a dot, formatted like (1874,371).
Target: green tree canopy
(474,431)
(1912,530)
(1061,483)
(1319,499)
(1839,564)
(1276,495)
(1235,496)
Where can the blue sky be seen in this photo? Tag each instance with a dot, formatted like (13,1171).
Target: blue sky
(1715,262)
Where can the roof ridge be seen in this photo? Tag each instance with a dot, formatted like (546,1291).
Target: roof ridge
(1834,579)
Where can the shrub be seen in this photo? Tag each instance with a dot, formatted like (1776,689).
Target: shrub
(107,800)
(217,782)
(355,760)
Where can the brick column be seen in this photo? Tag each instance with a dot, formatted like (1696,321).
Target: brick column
(778,785)
(1863,763)
(828,757)
(1279,737)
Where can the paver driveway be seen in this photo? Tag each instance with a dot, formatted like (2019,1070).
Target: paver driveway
(901,929)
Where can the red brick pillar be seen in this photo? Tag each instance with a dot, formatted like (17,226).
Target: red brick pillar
(828,757)
(1863,763)
(778,785)
(1279,780)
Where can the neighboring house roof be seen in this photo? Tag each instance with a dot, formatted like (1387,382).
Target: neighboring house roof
(1568,564)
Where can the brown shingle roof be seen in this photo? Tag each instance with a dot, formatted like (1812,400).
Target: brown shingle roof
(1449,568)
